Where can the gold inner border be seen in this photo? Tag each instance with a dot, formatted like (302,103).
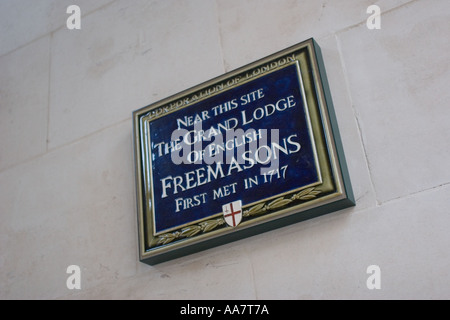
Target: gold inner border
(147,143)
(331,186)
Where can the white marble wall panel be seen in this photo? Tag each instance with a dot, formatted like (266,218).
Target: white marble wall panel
(22,21)
(73,206)
(254,29)
(125,57)
(24,103)
(398,80)
(328,257)
(67,189)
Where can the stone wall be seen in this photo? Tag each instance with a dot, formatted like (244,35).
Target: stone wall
(67,191)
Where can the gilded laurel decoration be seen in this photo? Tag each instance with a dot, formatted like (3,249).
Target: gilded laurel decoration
(187,232)
(209,225)
(304,195)
(256,210)
(307,194)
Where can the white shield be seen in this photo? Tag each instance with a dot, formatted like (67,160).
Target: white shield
(232,213)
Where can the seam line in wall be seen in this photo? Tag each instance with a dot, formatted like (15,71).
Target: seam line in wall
(50,32)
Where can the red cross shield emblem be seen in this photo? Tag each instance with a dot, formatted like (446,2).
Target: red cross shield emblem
(232,213)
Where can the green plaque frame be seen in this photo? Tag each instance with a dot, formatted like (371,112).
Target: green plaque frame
(331,192)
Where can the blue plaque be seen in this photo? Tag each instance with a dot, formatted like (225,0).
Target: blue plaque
(252,150)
